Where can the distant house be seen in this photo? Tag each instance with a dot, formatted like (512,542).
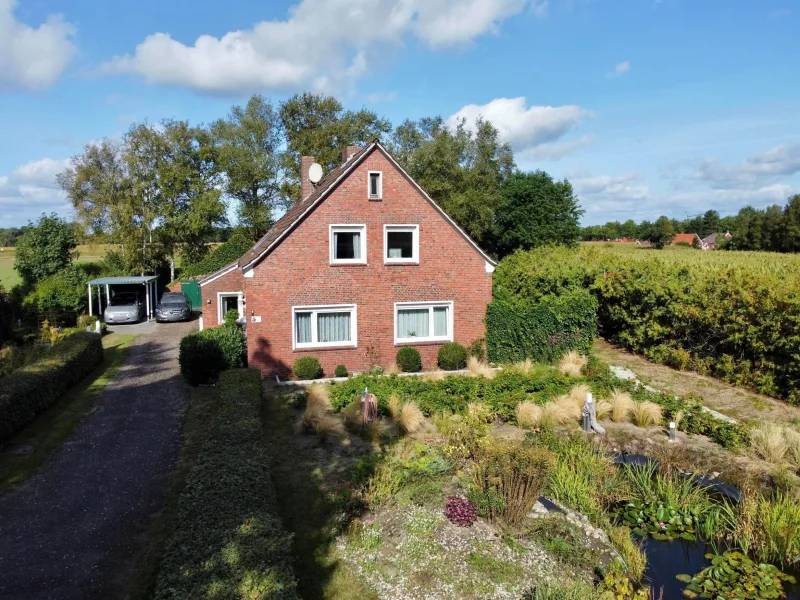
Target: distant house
(364,264)
(688,238)
(710,242)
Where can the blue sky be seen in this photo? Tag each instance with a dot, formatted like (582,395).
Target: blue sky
(649,107)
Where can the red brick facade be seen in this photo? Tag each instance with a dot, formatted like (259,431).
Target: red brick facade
(298,273)
(230,282)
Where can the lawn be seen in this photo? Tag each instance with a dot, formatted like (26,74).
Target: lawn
(9,277)
(56,424)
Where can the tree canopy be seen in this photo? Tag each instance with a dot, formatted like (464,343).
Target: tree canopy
(45,249)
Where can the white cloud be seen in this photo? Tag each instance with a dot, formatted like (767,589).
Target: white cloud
(552,151)
(33,58)
(522,126)
(31,190)
(379,97)
(324,44)
(768,166)
(622,68)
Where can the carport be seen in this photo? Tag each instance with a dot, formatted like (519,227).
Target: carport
(148,281)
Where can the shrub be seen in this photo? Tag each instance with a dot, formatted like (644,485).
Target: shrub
(409,360)
(30,389)
(200,358)
(222,256)
(205,354)
(477,349)
(514,473)
(228,541)
(340,371)
(542,330)
(460,511)
(452,357)
(307,367)
(231,318)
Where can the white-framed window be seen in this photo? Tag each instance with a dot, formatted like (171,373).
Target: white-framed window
(229,301)
(423,322)
(374,185)
(401,243)
(348,244)
(324,326)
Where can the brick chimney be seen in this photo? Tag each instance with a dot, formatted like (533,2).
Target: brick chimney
(348,152)
(306,187)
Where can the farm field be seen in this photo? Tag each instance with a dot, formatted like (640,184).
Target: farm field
(9,277)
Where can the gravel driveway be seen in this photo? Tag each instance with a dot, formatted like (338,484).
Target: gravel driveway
(74,530)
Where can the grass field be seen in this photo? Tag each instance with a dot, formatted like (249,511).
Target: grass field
(9,277)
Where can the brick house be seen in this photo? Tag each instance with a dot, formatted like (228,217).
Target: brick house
(364,264)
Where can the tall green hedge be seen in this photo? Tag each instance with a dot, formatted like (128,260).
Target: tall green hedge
(221,256)
(205,354)
(30,389)
(733,315)
(541,330)
(228,541)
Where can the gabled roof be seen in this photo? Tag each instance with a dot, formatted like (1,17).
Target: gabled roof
(685,237)
(299,211)
(711,239)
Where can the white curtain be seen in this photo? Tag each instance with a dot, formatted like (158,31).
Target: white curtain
(347,244)
(303,322)
(333,327)
(440,321)
(413,323)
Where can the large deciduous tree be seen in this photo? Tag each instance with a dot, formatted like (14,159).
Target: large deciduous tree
(248,151)
(318,126)
(661,232)
(536,211)
(45,249)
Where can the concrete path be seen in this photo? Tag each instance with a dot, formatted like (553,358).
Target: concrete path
(75,529)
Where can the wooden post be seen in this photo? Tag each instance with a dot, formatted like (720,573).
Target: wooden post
(108,294)
(90,299)
(147,300)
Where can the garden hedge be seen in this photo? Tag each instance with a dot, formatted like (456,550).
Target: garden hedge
(228,541)
(30,389)
(452,357)
(542,330)
(409,360)
(205,354)
(733,315)
(307,367)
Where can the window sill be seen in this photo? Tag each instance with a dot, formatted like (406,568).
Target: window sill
(423,342)
(348,264)
(324,348)
(402,263)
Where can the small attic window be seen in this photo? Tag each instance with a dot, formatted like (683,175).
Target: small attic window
(375,185)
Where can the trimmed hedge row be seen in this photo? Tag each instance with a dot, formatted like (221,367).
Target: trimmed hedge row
(542,330)
(228,541)
(732,315)
(205,354)
(30,389)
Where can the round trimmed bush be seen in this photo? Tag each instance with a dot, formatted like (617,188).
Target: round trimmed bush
(409,360)
(341,371)
(307,367)
(452,357)
(201,358)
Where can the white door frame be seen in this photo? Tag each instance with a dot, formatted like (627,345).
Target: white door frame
(240,305)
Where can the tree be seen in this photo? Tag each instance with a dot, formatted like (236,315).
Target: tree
(318,126)
(45,249)
(661,233)
(191,203)
(628,229)
(248,154)
(710,223)
(461,170)
(536,211)
(791,229)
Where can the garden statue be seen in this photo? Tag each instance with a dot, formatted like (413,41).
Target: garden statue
(590,415)
(369,407)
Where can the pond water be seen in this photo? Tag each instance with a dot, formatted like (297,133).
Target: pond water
(667,560)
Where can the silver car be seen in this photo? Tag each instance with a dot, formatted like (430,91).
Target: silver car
(125,307)
(173,306)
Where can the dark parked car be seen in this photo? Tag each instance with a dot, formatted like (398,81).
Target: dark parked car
(125,307)
(173,306)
